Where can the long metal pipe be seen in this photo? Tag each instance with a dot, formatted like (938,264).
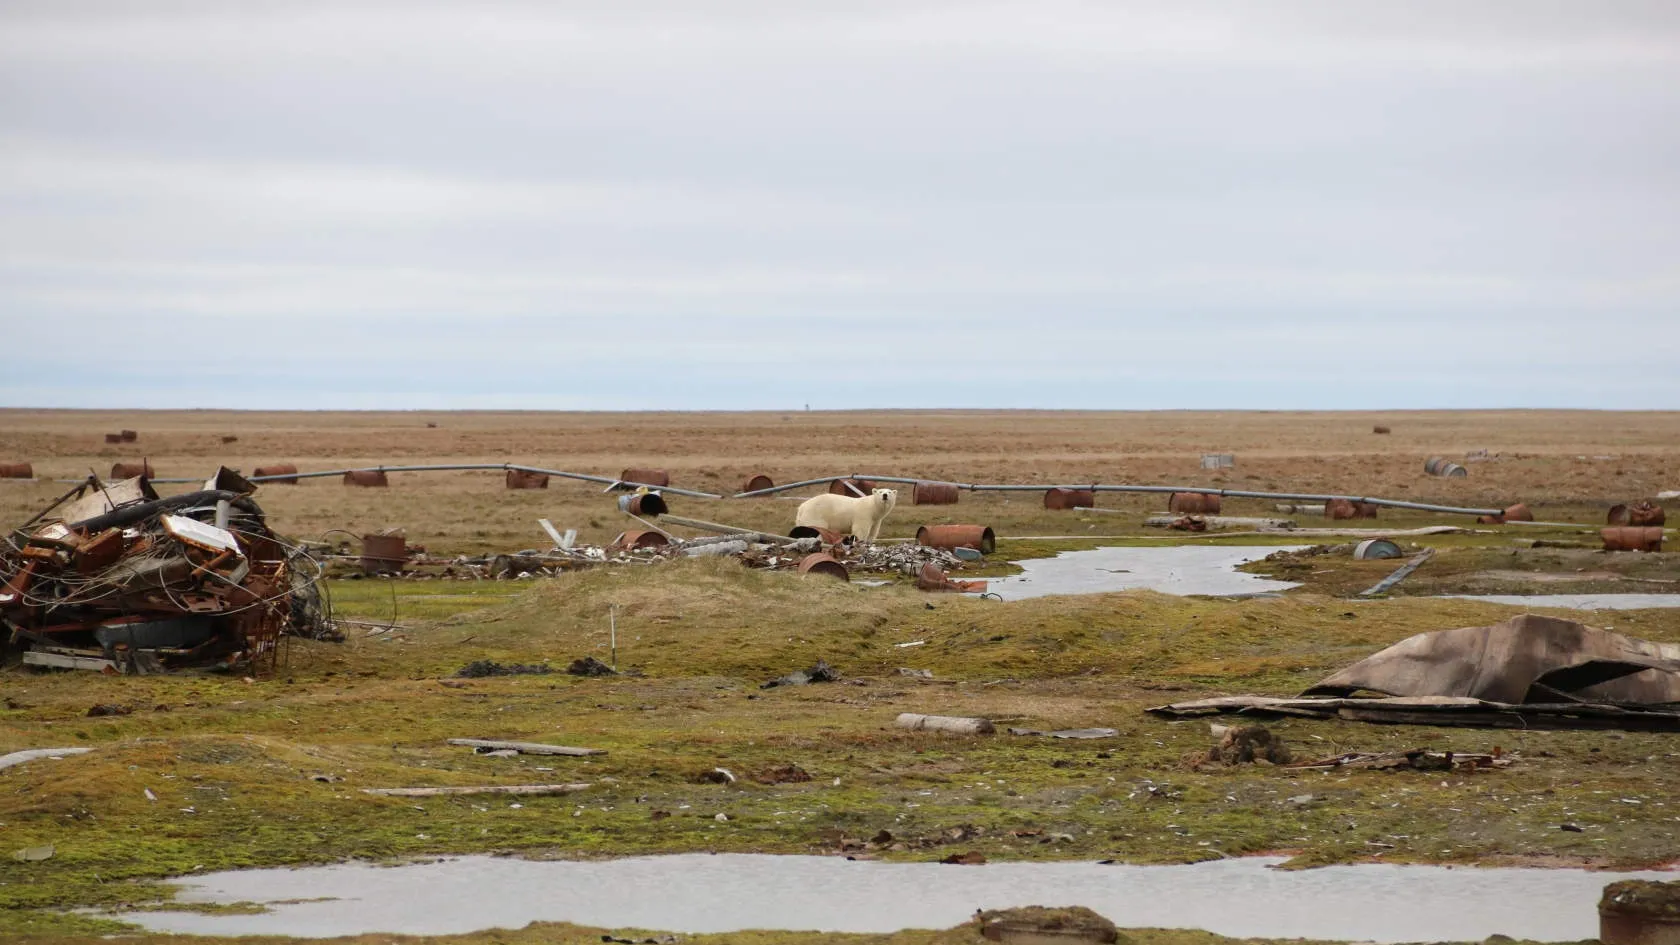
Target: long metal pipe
(972,487)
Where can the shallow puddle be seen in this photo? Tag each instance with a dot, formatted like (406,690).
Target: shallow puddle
(1178,569)
(1579,601)
(731,892)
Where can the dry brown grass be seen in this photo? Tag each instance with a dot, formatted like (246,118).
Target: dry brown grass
(1548,458)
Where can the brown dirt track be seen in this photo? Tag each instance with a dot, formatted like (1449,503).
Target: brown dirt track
(1550,459)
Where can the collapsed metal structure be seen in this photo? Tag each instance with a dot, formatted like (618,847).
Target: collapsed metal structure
(111,577)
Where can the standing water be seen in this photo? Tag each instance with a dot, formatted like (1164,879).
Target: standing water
(1177,569)
(706,893)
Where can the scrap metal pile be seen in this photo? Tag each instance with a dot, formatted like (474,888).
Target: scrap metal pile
(113,578)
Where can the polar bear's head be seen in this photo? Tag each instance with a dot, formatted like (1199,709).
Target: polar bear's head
(887,497)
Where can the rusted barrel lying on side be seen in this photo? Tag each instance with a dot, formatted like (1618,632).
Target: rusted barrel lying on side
(1437,466)
(935,493)
(823,564)
(631,540)
(129,436)
(16,471)
(979,537)
(130,470)
(1636,912)
(520,479)
(371,478)
(1061,500)
(1374,549)
(286,471)
(1629,538)
(756,482)
(646,477)
(643,503)
(1344,509)
(845,487)
(113,438)
(1381,430)
(384,554)
(1194,503)
(1519,512)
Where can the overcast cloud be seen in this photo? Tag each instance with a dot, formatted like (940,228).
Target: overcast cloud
(861,204)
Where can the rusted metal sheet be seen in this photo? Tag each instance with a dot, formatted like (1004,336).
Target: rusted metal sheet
(520,479)
(384,554)
(756,482)
(826,565)
(370,478)
(1379,429)
(129,436)
(934,493)
(979,537)
(133,470)
(1060,499)
(1630,538)
(640,538)
(643,503)
(646,477)
(1193,503)
(16,471)
(851,487)
(1344,509)
(286,471)
(1438,466)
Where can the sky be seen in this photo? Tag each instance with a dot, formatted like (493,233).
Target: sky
(675,204)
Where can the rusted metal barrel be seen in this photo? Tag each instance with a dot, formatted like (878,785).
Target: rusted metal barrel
(384,554)
(826,565)
(1618,515)
(646,477)
(935,493)
(643,503)
(371,478)
(16,471)
(1061,500)
(113,438)
(1381,430)
(1517,513)
(1437,466)
(1641,514)
(979,537)
(229,439)
(1629,538)
(1344,509)
(285,470)
(840,487)
(1636,912)
(631,540)
(130,470)
(756,482)
(129,436)
(1193,503)
(520,479)
(1372,549)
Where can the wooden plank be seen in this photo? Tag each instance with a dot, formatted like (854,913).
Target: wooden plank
(479,789)
(526,748)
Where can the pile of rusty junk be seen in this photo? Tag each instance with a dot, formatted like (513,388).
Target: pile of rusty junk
(113,578)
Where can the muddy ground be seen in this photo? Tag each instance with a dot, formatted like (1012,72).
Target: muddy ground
(211,772)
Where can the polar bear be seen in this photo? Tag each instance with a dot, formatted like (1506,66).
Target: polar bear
(848,515)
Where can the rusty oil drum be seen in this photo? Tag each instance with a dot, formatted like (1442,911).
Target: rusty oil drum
(370,478)
(131,470)
(384,554)
(641,538)
(282,473)
(520,479)
(644,477)
(1630,538)
(825,565)
(935,493)
(1193,503)
(840,487)
(643,503)
(756,482)
(979,537)
(17,471)
(1061,500)
(1344,509)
